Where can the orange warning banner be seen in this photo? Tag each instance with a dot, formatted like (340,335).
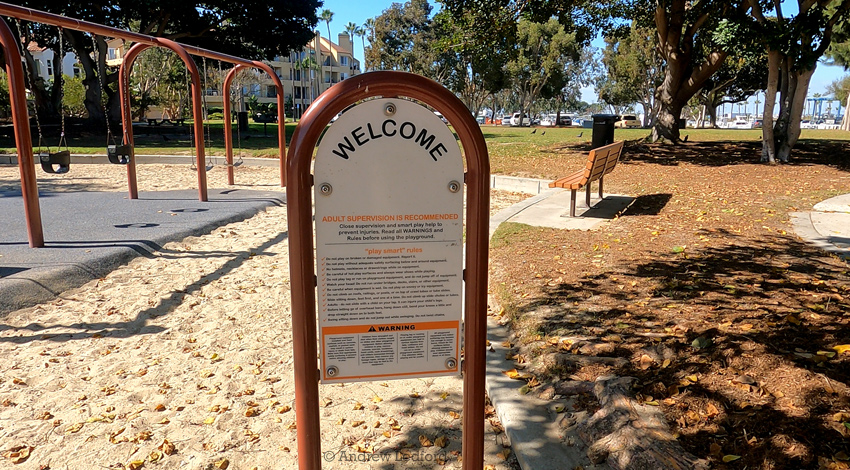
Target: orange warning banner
(389,328)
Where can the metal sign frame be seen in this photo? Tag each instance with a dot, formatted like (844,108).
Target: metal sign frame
(302,263)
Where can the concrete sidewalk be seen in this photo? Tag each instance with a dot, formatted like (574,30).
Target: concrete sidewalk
(827,226)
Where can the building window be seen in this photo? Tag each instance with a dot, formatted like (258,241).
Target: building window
(343,60)
(297,93)
(49,67)
(342,77)
(111,53)
(78,72)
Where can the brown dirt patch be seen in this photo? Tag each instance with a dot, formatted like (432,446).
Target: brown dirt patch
(727,319)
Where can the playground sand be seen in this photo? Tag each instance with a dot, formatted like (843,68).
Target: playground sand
(184,360)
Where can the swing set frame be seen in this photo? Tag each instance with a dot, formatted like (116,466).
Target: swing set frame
(20,114)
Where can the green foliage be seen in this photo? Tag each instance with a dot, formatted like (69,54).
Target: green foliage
(634,68)
(73,102)
(839,88)
(543,52)
(401,39)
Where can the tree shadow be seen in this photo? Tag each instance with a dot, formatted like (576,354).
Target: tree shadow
(766,312)
(139,324)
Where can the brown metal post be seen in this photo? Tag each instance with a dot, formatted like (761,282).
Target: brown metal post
(299,211)
(281,119)
(197,112)
(23,139)
(126,114)
(228,135)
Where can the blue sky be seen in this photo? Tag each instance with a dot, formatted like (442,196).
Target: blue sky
(357,11)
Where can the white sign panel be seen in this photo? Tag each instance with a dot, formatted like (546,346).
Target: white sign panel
(389,226)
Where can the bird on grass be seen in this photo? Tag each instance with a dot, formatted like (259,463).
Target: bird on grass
(543,133)
(580,133)
(533,131)
(685,139)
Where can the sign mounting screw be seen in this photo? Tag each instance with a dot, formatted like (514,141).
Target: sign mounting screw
(389,110)
(326,189)
(332,371)
(454,186)
(451,363)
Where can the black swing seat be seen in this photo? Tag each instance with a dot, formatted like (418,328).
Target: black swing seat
(49,161)
(118,154)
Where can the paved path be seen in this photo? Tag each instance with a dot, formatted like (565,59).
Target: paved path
(88,234)
(827,226)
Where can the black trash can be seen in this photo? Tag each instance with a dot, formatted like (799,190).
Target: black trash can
(603,129)
(242,120)
(683,123)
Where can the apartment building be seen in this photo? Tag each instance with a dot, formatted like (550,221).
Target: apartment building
(305,75)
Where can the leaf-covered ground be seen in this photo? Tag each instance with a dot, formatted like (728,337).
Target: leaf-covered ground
(734,326)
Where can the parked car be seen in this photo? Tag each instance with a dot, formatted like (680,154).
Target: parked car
(480,119)
(506,120)
(526,121)
(740,124)
(757,124)
(548,120)
(628,121)
(565,120)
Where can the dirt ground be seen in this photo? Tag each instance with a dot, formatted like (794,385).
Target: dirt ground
(184,360)
(737,329)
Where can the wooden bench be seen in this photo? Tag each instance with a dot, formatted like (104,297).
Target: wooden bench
(600,162)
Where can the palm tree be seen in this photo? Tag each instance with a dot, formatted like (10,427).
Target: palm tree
(361,32)
(351,29)
(327,17)
(368,29)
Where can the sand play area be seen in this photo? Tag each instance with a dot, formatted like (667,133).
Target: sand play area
(184,360)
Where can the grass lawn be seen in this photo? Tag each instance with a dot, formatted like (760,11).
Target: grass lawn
(259,141)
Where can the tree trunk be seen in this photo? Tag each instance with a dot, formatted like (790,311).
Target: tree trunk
(768,149)
(667,122)
(798,87)
(845,122)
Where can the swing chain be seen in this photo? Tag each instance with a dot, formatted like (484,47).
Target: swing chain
(29,83)
(96,49)
(62,89)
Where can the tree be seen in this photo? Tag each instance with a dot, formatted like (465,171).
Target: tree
(473,64)
(794,45)
(368,30)
(327,17)
(250,29)
(839,54)
(402,39)
(741,76)
(539,66)
(634,70)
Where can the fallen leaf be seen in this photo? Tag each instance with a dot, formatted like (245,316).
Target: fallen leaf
(842,348)
(425,441)
(504,454)
(701,343)
(167,447)
(18,454)
(74,428)
(645,362)
(730,458)
(377,399)
(135,465)
(222,464)
(454,414)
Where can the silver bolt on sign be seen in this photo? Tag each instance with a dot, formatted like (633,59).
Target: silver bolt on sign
(389,110)
(454,186)
(326,189)
(451,363)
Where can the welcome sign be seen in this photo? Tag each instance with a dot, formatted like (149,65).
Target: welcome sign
(388,185)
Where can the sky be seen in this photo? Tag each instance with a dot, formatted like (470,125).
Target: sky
(358,11)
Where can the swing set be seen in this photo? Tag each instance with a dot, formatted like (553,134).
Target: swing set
(118,153)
